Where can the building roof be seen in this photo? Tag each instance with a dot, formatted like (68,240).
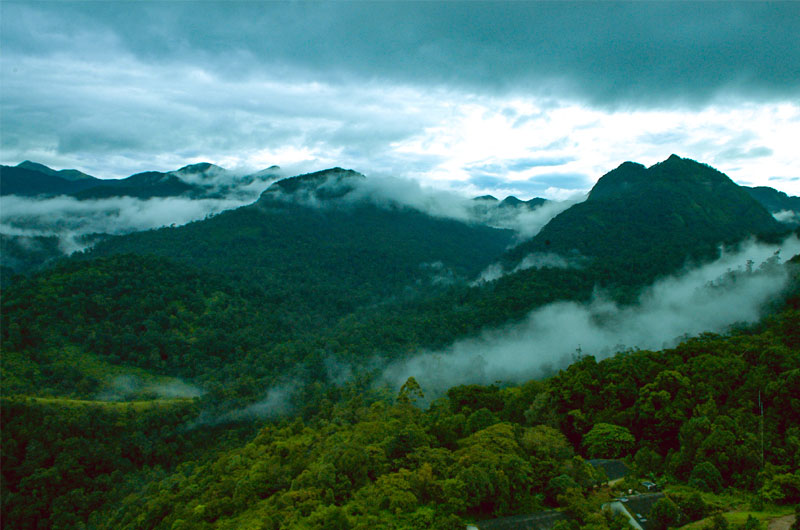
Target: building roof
(535,521)
(614,468)
(637,508)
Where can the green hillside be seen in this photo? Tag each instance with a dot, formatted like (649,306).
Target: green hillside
(689,414)
(323,261)
(223,374)
(639,223)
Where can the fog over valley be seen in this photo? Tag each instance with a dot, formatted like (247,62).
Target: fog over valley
(735,289)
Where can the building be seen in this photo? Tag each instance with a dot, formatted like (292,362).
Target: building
(535,521)
(636,508)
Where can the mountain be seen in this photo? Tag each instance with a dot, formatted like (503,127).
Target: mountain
(29,179)
(314,266)
(66,174)
(141,185)
(321,252)
(510,201)
(280,317)
(202,180)
(784,207)
(639,223)
(327,184)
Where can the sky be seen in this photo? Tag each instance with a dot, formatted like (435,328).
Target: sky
(523,98)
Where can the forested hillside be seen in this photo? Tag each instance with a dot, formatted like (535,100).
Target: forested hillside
(233,372)
(639,223)
(690,413)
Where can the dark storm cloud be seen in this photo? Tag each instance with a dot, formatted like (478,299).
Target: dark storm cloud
(644,53)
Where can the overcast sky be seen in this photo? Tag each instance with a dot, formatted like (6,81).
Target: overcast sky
(529,98)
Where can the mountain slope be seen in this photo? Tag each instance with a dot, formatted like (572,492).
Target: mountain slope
(66,174)
(776,202)
(642,222)
(196,180)
(326,259)
(26,181)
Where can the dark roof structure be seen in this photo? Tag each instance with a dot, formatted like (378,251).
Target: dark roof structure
(640,506)
(535,521)
(614,468)
(636,508)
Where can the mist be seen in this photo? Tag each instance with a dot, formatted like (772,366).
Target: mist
(731,290)
(395,192)
(535,260)
(787,216)
(127,387)
(70,219)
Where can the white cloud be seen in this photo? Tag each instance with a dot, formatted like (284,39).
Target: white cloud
(69,218)
(127,115)
(708,298)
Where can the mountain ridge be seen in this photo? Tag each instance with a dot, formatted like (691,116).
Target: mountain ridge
(651,220)
(204,179)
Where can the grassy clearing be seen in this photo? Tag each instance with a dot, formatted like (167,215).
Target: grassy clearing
(737,519)
(735,507)
(70,372)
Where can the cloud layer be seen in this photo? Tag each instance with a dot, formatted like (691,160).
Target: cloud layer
(70,218)
(611,53)
(524,98)
(707,299)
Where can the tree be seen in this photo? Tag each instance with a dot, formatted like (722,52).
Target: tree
(693,506)
(706,477)
(410,392)
(664,514)
(606,440)
(718,522)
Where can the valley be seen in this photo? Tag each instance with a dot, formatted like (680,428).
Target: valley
(329,352)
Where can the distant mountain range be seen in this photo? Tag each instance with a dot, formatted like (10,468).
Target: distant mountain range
(30,179)
(306,300)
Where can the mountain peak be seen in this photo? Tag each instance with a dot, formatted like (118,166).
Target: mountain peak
(35,166)
(330,183)
(66,174)
(200,167)
(625,177)
(664,177)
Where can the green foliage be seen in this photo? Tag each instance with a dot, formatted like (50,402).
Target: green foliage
(692,506)
(608,441)
(718,522)
(782,488)
(752,524)
(665,514)
(361,461)
(63,459)
(706,477)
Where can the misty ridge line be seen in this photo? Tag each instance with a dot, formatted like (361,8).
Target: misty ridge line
(346,188)
(71,219)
